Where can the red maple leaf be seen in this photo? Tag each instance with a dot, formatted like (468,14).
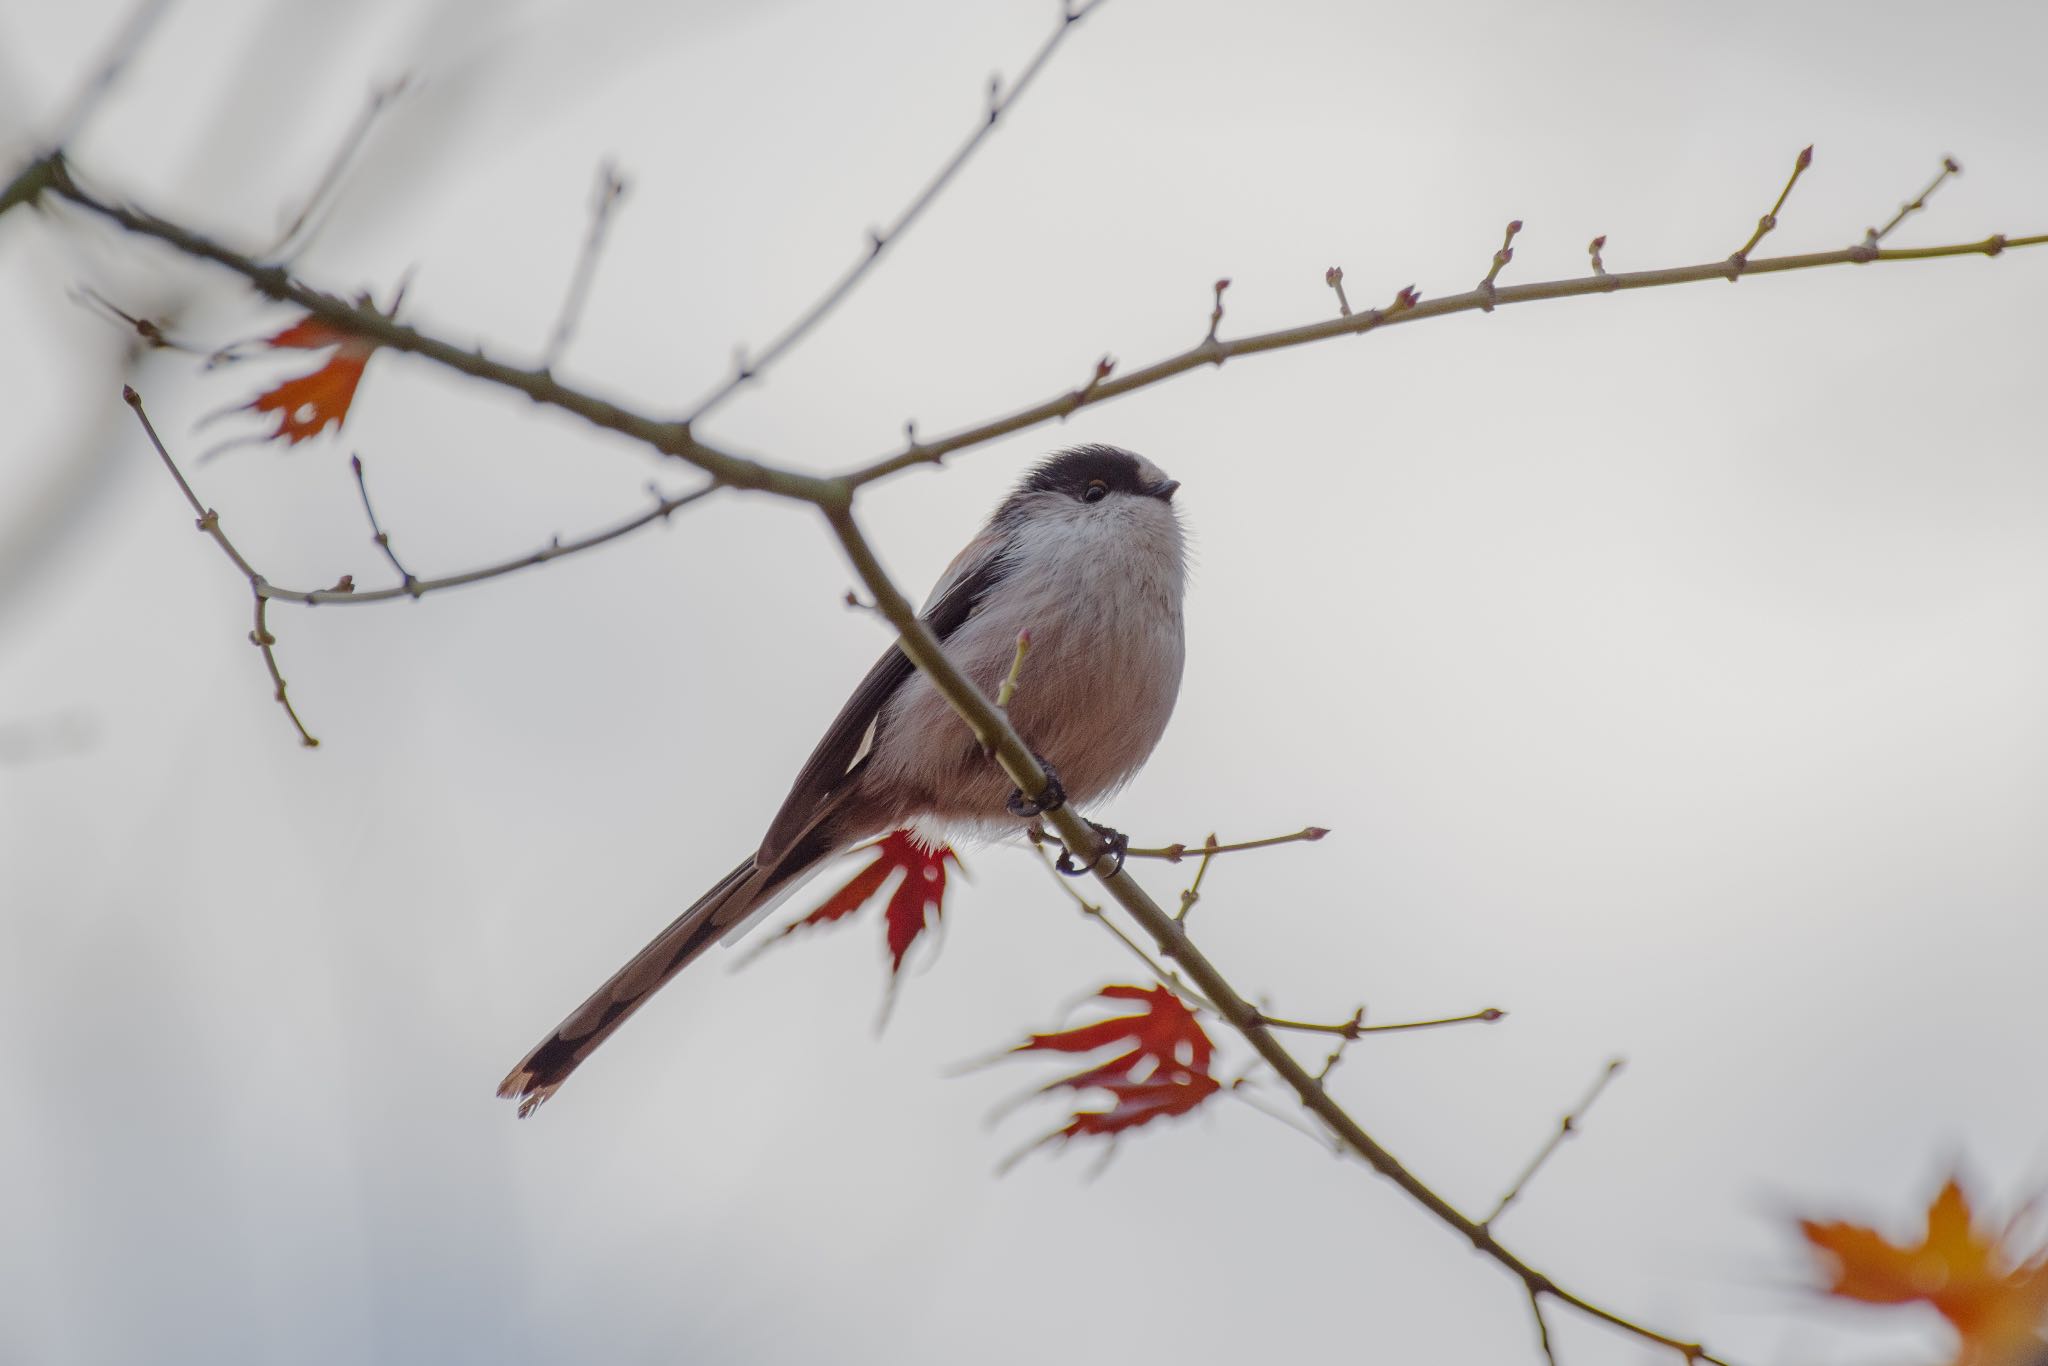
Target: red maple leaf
(1165,1071)
(1995,1297)
(308,404)
(918,901)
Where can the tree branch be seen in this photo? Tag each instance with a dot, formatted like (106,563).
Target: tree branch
(932,451)
(209,522)
(996,736)
(610,189)
(52,175)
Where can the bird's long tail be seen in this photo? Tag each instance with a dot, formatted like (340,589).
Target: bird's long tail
(745,891)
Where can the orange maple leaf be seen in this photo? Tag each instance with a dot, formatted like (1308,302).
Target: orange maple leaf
(309,404)
(1995,1298)
(918,900)
(1164,1072)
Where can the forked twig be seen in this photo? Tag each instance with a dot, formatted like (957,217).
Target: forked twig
(209,522)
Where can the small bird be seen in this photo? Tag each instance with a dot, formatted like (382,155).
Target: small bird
(1087,555)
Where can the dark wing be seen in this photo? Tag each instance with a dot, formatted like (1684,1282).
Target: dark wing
(836,756)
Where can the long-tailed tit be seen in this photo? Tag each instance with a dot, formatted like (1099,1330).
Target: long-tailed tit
(1087,555)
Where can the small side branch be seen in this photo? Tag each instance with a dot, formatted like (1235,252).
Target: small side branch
(1566,1127)
(1174,853)
(209,522)
(1740,259)
(611,188)
(1500,260)
(378,535)
(1912,206)
(1357,1028)
(289,240)
(266,642)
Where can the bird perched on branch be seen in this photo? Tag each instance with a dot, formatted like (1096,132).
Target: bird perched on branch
(1087,555)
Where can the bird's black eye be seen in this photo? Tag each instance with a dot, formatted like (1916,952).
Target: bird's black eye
(1095,492)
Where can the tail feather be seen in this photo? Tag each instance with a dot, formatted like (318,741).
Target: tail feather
(543,1071)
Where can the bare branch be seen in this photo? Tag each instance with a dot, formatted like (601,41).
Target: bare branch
(1166,976)
(1356,1027)
(379,98)
(1405,309)
(1566,1127)
(1740,259)
(209,522)
(610,189)
(1334,278)
(1009,688)
(264,641)
(1500,260)
(381,537)
(1216,313)
(1193,893)
(663,507)
(673,438)
(1912,206)
(880,240)
(51,175)
(1174,853)
(1000,739)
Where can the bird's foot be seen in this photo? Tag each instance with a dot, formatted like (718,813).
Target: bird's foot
(1052,799)
(1114,845)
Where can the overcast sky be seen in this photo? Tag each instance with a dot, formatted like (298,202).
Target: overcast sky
(1672,669)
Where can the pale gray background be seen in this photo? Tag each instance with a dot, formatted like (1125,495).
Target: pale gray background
(1672,668)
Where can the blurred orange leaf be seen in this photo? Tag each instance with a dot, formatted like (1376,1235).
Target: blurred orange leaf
(1994,1297)
(307,405)
(1164,1072)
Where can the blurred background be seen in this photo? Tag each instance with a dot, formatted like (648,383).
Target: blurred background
(1671,668)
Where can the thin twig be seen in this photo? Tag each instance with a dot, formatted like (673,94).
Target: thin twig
(1356,1027)
(1334,278)
(1193,892)
(664,506)
(881,239)
(1566,1127)
(151,333)
(998,738)
(1738,261)
(1160,972)
(610,189)
(50,176)
(1500,260)
(1542,1325)
(1337,1053)
(1174,853)
(266,642)
(209,522)
(381,537)
(932,450)
(1216,313)
(1008,692)
(380,97)
(1913,205)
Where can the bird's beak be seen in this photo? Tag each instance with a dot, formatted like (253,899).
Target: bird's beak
(1164,489)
